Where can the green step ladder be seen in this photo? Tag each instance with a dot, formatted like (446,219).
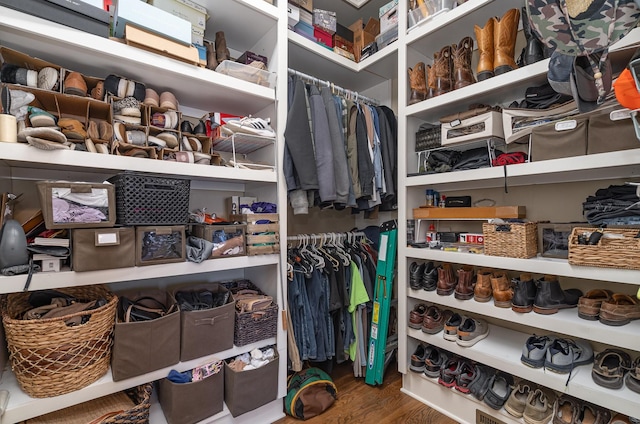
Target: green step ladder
(379,356)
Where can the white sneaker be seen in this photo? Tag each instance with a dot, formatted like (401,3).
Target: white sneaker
(250,125)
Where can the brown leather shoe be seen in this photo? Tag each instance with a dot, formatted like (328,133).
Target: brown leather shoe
(589,304)
(462,73)
(482,291)
(417,83)
(416,316)
(97,92)
(484,38)
(72,128)
(434,319)
(92,130)
(443,64)
(505,30)
(466,283)
(446,280)
(619,310)
(502,292)
(75,84)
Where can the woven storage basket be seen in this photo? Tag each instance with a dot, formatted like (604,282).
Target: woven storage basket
(622,252)
(128,407)
(251,327)
(50,358)
(512,240)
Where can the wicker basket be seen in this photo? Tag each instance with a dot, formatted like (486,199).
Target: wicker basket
(50,358)
(133,405)
(512,240)
(251,327)
(622,252)
(428,138)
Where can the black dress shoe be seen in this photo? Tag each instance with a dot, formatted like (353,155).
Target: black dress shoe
(415,275)
(185,127)
(200,129)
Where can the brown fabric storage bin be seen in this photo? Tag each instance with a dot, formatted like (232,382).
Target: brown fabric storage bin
(561,139)
(606,135)
(107,248)
(245,391)
(50,191)
(207,331)
(188,403)
(144,346)
(160,245)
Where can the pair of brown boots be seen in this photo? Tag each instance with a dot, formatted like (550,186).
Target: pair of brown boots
(496,45)
(217,53)
(494,283)
(451,70)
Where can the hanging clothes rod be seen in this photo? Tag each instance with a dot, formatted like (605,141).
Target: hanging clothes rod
(327,236)
(354,95)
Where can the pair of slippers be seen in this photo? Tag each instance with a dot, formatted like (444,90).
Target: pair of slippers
(167,120)
(122,87)
(165,100)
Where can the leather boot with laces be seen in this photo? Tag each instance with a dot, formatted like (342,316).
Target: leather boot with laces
(483,291)
(446,280)
(430,277)
(417,83)
(466,283)
(415,275)
(462,73)
(443,64)
(502,293)
(524,293)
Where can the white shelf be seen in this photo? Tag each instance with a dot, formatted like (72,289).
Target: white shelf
(99,56)
(502,350)
(565,321)
(22,406)
(601,166)
(52,280)
(266,414)
(538,265)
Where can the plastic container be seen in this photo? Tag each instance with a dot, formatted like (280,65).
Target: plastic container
(247,73)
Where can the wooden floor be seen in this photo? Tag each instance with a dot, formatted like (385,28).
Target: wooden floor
(359,402)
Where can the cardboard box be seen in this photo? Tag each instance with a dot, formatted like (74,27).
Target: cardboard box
(184,9)
(325,19)
(305,4)
(152,20)
(363,35)
(150,41)
(245,391)
(323,37)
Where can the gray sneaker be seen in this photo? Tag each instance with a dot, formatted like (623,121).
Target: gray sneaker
(535,349)
(518,399)
(471,331)
(565,354)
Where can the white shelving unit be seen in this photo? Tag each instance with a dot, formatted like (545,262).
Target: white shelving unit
(509,330)
(200,91)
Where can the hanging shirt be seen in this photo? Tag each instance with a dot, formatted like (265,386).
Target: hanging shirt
(359,296)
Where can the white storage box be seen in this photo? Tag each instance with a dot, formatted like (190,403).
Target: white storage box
(293,13)
(185,9)
(152,19)
(486,125)
(518,123)
(197,35)
(388,16)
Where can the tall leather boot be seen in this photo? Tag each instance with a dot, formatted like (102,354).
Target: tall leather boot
(484,38)
(431,81)
(417,83)
(482,291)
(222,52)
(502,293)
(466,283)
(446,280)
(534,50)
(212,61)
(524,293)
(505,30)
(462,73)
(443,64)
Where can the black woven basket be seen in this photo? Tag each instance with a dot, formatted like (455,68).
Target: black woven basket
(428,138)
(143,199)
(251,327)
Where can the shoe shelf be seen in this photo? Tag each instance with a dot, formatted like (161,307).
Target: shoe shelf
(623,336)
(244,144)
(52,280)
(268,413)
(502,349)
(98,56)
(601,166)
(22,406)
(414,383)
(539,265)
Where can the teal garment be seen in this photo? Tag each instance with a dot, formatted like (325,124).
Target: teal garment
(358,296)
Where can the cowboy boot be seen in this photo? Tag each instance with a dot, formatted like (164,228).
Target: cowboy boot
(462,73)
(443,67)
(502,293)
(418,83)
(431,81)
(482,291)
(484,38)
(222,52)
(505,30)
(534,50)
(446,280)
(466,283)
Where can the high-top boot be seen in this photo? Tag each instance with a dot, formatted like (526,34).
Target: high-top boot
(534,50)
(482,291)
(502,293)
(550,296)
(417,83)
(446,280)
(462,73)
(430,277)
(222,52)
(431,81)
(484,38)
(505,30)
(524,293)
(443,64)
(212,61)
(466,283)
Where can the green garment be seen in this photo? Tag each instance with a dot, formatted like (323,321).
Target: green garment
(358,296)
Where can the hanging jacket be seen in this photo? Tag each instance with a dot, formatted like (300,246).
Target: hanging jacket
(352,150)
(340,166)
(343,118)
(323,146)
(365,165)
(389,144)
